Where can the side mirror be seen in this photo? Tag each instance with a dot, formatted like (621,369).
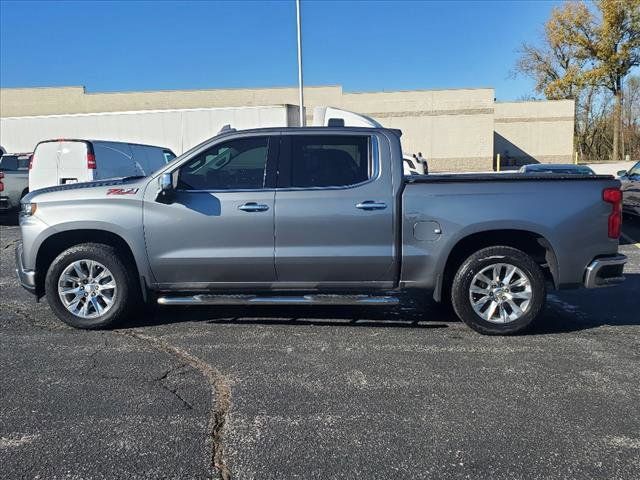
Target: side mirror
(621,173)
(166,192)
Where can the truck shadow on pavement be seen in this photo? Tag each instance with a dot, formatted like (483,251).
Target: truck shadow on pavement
(566,311)
(575,310)
(8,219)
(410,314)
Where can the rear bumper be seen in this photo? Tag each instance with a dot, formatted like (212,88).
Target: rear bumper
(605,271)
(27,277)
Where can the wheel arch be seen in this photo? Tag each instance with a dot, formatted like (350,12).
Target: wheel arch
(58,242)
(532,243)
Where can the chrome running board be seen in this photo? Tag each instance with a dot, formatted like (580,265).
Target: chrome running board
(279,300)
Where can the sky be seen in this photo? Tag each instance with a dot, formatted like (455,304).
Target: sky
(361,45)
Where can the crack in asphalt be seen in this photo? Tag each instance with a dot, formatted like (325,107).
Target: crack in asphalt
(220,395)
(220,391)
(10,244)
(27,314)
(173,391)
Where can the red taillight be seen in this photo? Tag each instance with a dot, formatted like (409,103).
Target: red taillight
(91,161)
(1,184)
(614,197)
(31,157)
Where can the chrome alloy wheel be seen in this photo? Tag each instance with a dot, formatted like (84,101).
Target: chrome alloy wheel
(87,289)
(500,293)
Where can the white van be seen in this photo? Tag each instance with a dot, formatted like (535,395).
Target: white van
(57,162)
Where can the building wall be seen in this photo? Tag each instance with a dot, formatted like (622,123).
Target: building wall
(534,132)
(17,102)
(456,130)
(453,129)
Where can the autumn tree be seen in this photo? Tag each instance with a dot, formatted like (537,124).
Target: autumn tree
(585,49)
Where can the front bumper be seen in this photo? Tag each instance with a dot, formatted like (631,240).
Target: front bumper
(605,271)
(27,277)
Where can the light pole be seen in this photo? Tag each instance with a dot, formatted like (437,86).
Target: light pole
(300,83)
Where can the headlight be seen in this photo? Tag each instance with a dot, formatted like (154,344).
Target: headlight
(28,209)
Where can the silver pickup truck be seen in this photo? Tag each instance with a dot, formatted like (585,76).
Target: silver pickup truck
(310,216)
(14,180)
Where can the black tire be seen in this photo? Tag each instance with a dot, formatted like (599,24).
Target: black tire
(475,264)
(125,301)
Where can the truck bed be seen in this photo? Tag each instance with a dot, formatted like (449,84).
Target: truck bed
(498,177)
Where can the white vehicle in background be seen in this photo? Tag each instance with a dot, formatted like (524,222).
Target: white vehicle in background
(411,166)
(336,117)
(14,180)
(59,162)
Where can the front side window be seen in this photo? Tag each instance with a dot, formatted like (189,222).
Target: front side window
(234,165)
(329,160)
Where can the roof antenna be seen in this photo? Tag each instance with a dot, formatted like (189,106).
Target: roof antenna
(226,129)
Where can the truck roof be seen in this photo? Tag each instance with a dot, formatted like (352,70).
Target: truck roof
(314,129)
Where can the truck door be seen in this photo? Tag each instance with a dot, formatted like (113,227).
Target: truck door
(334,221)
(218,233)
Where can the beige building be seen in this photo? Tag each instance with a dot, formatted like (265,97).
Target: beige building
(456,129)
(527,132)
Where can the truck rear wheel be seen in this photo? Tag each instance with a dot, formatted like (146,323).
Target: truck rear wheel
(499,291)
(89,286)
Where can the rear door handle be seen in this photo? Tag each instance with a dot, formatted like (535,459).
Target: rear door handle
(254,207)
(371,205)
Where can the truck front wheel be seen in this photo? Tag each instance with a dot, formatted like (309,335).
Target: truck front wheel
(499,291)
(89,286)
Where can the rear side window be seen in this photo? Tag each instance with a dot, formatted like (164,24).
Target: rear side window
(234,165)
(329,160)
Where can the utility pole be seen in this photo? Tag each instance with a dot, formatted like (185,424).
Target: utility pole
(300,83)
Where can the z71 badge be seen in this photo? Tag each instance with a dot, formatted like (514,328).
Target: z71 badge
(122,191)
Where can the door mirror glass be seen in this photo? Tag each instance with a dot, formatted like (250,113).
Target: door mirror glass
(165,191)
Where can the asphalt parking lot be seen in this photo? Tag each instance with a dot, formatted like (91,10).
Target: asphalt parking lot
(275,393)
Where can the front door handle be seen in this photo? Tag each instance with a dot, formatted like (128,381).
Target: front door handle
(254,207)
(371,205)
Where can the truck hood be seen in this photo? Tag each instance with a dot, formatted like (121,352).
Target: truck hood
(113,187)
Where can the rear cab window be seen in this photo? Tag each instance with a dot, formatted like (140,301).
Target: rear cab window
(317,161)
(14,162)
